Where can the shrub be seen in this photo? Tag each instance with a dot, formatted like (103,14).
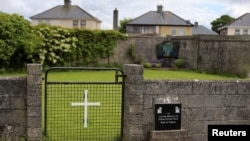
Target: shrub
(242,74)
(179,63)
(147,65)
(158,65)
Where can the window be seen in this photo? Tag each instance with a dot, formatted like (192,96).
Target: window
(237,32)
(47,22)
(136,30)
(173,32)
(181,32)
(83,23)
(143,29)
(75,23)
(245,31)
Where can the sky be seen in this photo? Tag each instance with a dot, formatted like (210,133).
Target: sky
(201,11)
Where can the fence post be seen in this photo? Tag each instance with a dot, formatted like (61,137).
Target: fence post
(34,102)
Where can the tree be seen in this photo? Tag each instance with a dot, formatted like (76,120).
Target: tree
(122,27)
(221,21)
(17,41)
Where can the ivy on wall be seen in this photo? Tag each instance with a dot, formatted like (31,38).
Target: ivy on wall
(58,45)
(74,47)
(92,45)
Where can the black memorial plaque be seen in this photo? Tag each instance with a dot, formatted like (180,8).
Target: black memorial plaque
(167,116)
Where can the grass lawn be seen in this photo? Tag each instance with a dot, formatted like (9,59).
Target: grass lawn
(183,75)
(148,74)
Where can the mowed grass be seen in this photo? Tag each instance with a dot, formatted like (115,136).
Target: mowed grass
(148,74)
(183,75)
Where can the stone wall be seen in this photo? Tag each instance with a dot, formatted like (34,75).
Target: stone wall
(210,53)
(203,103)
(20,106)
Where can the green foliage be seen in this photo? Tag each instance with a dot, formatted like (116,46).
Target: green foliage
(132,54)
(242,73)
(58,45)
(17,41)
(221,21)
(21,43)
(92,45)
(122,27)
(158,65)
(179,63)
(147,65)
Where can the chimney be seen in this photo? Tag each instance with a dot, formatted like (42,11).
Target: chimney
(67,3)
(159,8)
(196,24)
(115,20)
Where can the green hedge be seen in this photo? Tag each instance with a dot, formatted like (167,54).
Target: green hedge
(21,43)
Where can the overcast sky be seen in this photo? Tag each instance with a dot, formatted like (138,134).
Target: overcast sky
(202,11)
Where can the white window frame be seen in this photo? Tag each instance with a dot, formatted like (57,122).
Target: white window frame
(181,31)
(173,32)
(245,31)
(237,31)
(83,23)
(75,23)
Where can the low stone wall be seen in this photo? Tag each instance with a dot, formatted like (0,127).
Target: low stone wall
(20,106)
(203,103)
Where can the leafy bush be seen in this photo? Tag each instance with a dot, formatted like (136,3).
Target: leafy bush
(242,74)
(58,45)
(147,65)
(92,45)
(179,63)
(17,41)
(21,43)
(158,65)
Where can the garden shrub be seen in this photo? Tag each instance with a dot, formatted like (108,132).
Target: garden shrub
(179,63)
(147,65)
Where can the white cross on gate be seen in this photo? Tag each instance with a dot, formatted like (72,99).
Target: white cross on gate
(85,104)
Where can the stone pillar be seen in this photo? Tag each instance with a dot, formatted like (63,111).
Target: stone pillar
(34,102)
(133,103)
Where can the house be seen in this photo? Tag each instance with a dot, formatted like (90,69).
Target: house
(67,15)
(202,30)
(160,23)
(240,26)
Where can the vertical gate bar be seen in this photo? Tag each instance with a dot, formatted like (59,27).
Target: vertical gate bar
(45,103)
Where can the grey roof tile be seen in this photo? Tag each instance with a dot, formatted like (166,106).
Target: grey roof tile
(243,20)
(202,30)
(62,12)
(159,18)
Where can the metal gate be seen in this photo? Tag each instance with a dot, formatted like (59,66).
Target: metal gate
(77,108)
